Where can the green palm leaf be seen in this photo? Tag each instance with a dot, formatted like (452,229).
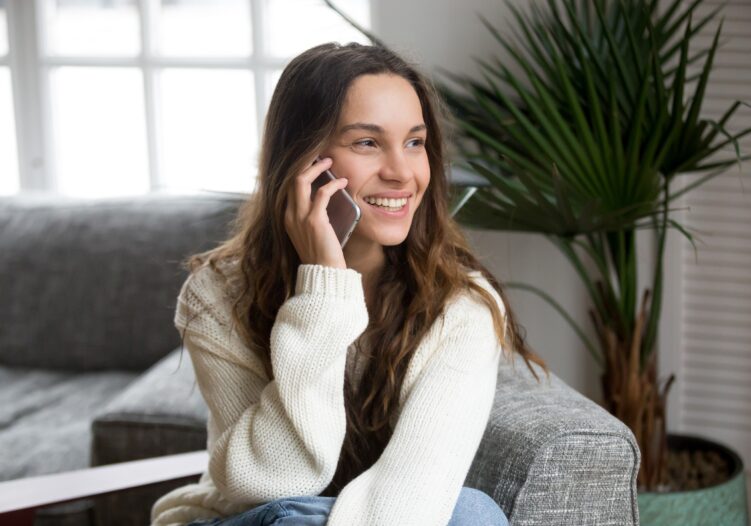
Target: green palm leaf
(582,143)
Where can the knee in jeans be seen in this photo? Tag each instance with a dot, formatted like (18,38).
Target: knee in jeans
(480,508)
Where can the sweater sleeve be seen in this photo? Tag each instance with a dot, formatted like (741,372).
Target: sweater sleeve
(418,478)
(281,437)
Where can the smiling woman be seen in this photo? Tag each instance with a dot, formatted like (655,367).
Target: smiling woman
(346,386)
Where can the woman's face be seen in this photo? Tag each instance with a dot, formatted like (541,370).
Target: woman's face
(379,146)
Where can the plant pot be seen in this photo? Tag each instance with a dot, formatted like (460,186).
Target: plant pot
(719,504)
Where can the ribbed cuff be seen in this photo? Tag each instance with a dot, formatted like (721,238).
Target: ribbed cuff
(329,281)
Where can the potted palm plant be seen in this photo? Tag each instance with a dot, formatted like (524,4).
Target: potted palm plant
(584,146)
(586,153)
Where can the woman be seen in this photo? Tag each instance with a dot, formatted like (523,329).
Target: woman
(345,386)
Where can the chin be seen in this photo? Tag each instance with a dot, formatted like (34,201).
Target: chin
(392,238)
(385,239)
(392,241)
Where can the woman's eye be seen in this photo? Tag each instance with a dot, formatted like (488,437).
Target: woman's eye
(370,142)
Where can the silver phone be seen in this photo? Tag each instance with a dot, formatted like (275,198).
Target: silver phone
(342,210)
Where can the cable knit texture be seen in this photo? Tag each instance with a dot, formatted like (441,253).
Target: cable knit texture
(282,438)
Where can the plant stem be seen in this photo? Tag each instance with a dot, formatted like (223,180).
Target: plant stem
(654,311)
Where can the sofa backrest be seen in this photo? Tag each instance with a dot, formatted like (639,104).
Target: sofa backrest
(92,284)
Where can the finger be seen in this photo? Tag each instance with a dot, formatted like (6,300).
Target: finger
(303,186)
(315,160)
(313,171)
(323,196)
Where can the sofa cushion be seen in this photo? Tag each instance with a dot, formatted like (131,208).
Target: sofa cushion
(161,413)
(45,418)
(91,284)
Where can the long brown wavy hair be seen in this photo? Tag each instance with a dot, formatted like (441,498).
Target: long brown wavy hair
(419,277)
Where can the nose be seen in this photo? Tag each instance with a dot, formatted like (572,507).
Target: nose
(396,167)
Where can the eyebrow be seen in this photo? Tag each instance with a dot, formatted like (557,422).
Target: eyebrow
(375,128)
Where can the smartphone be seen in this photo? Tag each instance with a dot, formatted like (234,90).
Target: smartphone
(342,210)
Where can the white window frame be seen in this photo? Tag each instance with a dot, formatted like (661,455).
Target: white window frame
(32,95)
(22,59)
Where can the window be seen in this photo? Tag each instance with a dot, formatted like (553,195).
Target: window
(140,95)
(9,182)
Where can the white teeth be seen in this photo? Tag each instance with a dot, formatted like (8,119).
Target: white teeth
(389,203)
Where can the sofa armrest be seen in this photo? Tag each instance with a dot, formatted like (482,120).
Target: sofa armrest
(552,456)
(160,413)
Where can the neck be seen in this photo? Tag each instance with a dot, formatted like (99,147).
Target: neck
(367,258)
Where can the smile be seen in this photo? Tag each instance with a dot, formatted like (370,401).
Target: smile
(391,208)
(389,204)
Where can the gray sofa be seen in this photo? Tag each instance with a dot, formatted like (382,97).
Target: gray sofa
(91,371)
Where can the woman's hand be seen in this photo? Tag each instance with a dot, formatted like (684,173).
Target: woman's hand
(307,222)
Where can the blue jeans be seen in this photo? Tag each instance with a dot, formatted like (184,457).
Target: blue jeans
(473,508)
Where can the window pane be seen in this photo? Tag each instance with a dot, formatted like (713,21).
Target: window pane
(99,131)
(92,27)
(312,22)
(3,29)
(208,129)
(205,28)
(8,152)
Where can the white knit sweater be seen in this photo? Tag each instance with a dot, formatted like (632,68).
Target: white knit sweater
(282,438)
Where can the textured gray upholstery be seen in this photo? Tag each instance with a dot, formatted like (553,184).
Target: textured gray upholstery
(91,284)
(45,421)
(91,371)
(45,418)
(551,456)
(88,293)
